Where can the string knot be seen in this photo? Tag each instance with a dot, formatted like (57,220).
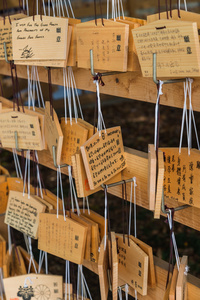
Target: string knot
(187,268)
(98,77)
(160,84)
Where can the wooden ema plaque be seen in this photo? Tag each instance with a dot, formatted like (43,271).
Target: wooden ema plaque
(159,186)
(72,58)
(114,266)
(74,136)
(6,35)
(172,291)
(65,239)
(152,167)
(103,156)
(27,127)
(181,286)
(103,270)
(53,132)
(133,264)
(22,213)
(34,287)
(176,44)
(19,263)
(31,38)
(182,175)
(3,196)
(2,251)
(26,257)
(185,16)
(109,44)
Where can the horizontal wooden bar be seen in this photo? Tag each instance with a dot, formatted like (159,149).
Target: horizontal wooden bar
(126,85)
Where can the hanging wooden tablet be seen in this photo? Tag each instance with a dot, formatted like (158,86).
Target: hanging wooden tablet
(152,166)
(176,44)
(8,266)
(133,62)
(181,286)
(6,35)
(133,264)
(31,38)
(19,264)
(72,58)
(95,217)
(109,43)
(74,136)
(22,213)
(2,251)
(88,126)
(3,227)
(148,250)
(114,267)
(27,128)
(4,191)
(172,292)
(58,63)
(159,186)
(103,156)
(136,20)
(63,238)
(174,15)
(182,173)
(95,239)
(53,132)
(48,205)
(103,270)
(34,286)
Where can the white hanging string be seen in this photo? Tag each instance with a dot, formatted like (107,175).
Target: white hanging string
(44,8)
(31,261)
(66,8)
(73,191)
(185,5)
(76,92)
(160,84)
(73,94)
(188,119)
(17,164)
(26,242)
(42,256)
(170,221)
(107,9)
(88,208)
(2,291)
(69,1)
(37,7)
(38,175)
(122,9)
(84,286)
(67,280)
(126,291)
(27,170)
(120,293)
(59,184)
(100,122)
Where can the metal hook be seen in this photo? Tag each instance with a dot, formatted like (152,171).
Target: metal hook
(5,53)
(155,74)
(117,183)
(54,159)
(166,211)
(92,67)
(16,142)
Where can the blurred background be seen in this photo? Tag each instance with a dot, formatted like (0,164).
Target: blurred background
(137,122)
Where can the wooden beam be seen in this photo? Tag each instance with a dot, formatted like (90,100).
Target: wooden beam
(126,85)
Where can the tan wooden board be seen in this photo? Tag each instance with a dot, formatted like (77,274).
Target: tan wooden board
(8,267)
(103,156)
(74,136)
(172,292)
(4,171)
(182,175)
(3,228)
(133,62)
(159,187)
(173,15)
(22,213)
(3,197)
(31,38)
(126,85)
(90,127)
(53,62)
(114,267)
(72,58)
(152,164)
(2,251)
(97,218)
(40,285)
(176,44)
(95,241)
(53,132)
(181,286)
(63,238)
(6,35)
(109,44)
(103,270)
(27,127)
(133,264)
(136,20)
(48,205)
(91,265)
(148,250)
